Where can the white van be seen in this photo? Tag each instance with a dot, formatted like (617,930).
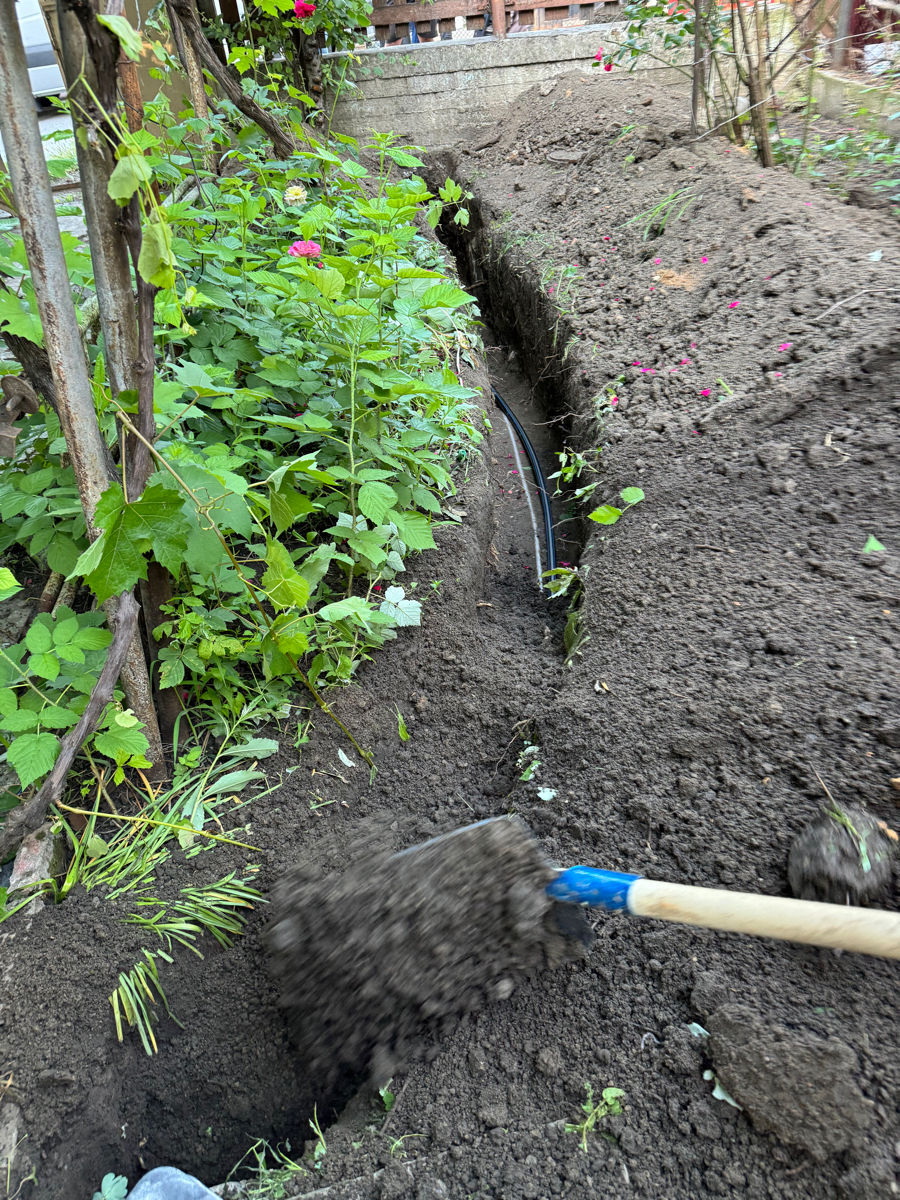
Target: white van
(43,69)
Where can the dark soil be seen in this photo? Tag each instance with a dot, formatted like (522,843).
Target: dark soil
(736,640)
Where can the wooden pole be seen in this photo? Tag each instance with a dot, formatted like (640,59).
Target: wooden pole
(498,18)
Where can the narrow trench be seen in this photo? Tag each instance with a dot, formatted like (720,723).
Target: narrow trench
(528,624)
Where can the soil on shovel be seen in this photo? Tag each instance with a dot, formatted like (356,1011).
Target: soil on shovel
(732,351)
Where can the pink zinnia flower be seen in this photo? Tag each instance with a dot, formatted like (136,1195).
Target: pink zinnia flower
(704,259)
(303,10)
(305,249)
(607,66)
(598,57)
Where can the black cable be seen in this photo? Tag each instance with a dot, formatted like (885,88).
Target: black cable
(539,477)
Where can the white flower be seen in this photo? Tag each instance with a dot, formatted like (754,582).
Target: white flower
(296,194)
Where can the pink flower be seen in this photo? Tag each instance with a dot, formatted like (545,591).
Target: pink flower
(685,362)
(706,391)
(657,261)
(785,345)
(704,259)
(303,10)
(734,304)
(305,249)
(598,57)
(607,66)
(614,401)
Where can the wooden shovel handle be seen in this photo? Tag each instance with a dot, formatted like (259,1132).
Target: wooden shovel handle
(863,930)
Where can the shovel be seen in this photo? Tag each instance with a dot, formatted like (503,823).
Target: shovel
(369,957)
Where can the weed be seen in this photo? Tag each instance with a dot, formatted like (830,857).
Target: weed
(402,731)
(528,762)
(387,1096)
(274,1172)
(595,1111)
(396,1149)
(608,514)
(112,1187)
(671,208)
(320,1146)
(137,988)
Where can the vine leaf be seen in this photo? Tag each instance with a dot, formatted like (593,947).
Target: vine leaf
(375,500)
(32,755)
(128,37)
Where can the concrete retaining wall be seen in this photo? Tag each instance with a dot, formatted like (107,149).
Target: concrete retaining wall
(428,93)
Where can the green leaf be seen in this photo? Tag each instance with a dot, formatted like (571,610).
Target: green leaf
(375,500)
(20,721)
(91,638)
(32,755)
(8,701)
(400,610)
(285,586)
(444,295)
(156,261)
(8,584)
(415,529)
(44,665)
(120,742)
(62,554)
(352,606)
(128,37)
(131,172)
(329,282)
(402,159)
(20,320)
(38,639)
(872,546)
(606,514)
(54,716)
(64,631)
(632,495)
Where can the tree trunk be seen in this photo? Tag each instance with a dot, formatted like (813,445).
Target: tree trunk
(102,216)
(43,247)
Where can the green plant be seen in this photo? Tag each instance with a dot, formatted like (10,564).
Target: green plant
(139,987)
(671,208)
(397,1146)
(595,1111)
(112,1187)
(450,195)
(45,682)
(528,762)
(320,1146)
(273,1171)
(387,1096)
(608,514)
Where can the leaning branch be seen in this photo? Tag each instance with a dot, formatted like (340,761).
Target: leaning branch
(186,11)
(25,818)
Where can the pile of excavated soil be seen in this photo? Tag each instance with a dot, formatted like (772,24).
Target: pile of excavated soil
(737,638)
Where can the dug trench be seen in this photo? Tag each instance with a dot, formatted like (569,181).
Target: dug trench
(735,642)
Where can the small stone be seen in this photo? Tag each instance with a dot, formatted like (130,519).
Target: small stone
(549,1061)
(773,454)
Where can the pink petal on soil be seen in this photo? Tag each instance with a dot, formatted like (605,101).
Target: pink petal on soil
(706,391)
